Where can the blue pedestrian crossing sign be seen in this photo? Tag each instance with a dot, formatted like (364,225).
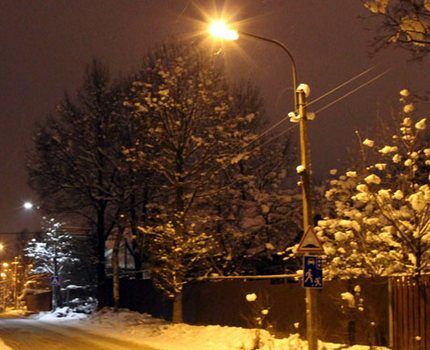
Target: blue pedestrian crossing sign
(55,281)
(312,272)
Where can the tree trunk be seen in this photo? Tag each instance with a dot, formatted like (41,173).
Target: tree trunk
(177,309)
(136,245)
(54,286)
(100,269)
(115,268)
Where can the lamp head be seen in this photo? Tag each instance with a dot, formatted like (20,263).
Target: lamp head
(221,30)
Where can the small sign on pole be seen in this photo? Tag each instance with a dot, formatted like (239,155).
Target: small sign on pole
(310,243)
(55,281)
(312,272)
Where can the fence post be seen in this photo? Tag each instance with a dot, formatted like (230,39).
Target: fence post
(390,313)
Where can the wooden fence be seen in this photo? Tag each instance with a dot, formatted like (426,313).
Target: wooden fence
(410,313)
(396,310)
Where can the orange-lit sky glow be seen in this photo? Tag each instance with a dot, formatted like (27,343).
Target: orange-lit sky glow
(46,44)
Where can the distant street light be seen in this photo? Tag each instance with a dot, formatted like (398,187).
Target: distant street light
(28,205)
(221,30)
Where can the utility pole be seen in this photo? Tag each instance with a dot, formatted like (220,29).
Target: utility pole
(222,30)
(311,331)
(15,282)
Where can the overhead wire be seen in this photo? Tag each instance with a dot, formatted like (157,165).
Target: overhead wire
(329,105)
(353,91)
(340,86)
(312,102)
(318,111)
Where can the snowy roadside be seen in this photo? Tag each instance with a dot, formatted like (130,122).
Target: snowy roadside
(159,334)
(3,346)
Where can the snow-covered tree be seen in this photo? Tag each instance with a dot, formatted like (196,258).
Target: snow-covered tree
(75,165)
(258,215)
(380,218)
(193,134)
(168,148)
(175,256)
(53,255)
(405,23)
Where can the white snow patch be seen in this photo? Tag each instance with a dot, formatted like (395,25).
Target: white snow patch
(388,149)
(59,315)
(349,298)
(373,179)
(421,125)
(3,346)
(368,143)
(251,297)
(300,169)
(404,92)
(159,334)
(305,88)
(409,108)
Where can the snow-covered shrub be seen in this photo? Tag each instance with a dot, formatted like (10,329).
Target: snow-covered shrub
(380,216)
(258,318)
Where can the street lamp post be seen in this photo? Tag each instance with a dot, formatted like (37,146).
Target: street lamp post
(223,31)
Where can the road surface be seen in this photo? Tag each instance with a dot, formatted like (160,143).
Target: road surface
(28,334)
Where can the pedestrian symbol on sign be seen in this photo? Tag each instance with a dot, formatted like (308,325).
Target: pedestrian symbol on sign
(312,272)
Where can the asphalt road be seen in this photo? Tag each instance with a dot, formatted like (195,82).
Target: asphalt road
(27,334)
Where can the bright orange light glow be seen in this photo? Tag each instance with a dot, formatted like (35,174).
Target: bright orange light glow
(220,29)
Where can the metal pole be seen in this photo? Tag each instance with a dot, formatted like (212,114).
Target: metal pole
(300,104)
(15,287)
(311,331)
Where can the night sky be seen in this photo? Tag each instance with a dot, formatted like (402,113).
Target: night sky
(45,45)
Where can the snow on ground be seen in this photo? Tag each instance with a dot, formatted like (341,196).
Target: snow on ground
(11,312)
(162,335)
(61,314)
(3,346)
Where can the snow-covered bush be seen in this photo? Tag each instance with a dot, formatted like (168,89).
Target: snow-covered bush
(258,318)
(380,219)
(52,255)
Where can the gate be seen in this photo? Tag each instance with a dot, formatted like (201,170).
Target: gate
(410,312)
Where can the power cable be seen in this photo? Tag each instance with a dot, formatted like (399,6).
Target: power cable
(312,102)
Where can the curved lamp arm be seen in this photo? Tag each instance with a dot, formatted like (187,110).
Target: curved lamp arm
(285,49)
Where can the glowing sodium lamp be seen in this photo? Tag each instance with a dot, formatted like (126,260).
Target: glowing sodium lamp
(222,30)
(28,205)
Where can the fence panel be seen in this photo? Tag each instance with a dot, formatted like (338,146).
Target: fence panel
(410,312)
